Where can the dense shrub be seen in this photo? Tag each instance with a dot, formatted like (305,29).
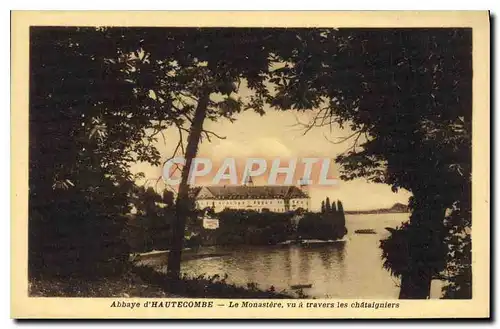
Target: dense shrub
(261,228)
(77,235)
(322,226)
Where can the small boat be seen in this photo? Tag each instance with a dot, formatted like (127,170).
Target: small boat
(301,286)
(365,231)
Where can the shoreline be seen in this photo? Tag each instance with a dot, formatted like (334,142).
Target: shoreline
(189,254)
(154,253)
(373,212)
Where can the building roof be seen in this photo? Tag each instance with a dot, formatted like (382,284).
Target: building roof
(250,192)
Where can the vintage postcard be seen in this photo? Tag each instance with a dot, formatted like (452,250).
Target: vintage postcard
(250,165)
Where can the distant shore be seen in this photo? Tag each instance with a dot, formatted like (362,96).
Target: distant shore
(377,211)
(395,209)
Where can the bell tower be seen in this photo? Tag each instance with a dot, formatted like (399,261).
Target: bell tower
(248,180)
(304,184)
(304,187)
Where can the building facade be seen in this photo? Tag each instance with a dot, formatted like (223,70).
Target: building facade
(256,198)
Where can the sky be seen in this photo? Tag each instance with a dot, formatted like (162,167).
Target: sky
(276,134)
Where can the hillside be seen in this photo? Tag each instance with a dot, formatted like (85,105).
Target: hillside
(396,208)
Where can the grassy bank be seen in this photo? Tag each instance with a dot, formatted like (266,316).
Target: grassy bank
(143,281)
(209,287)
(129,284)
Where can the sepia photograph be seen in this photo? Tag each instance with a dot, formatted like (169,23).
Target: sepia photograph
(191,163)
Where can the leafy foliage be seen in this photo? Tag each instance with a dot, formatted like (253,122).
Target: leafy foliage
(248,227)
(269,228)
(458,271)
(407,96)
(151,227)
(88,123)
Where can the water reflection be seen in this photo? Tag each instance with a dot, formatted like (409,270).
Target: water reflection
(350,269)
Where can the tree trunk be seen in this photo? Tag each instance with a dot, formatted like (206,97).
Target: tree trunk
(182,203)
(427,249)
(416,284)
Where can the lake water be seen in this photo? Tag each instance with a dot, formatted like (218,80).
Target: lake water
(349,269)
